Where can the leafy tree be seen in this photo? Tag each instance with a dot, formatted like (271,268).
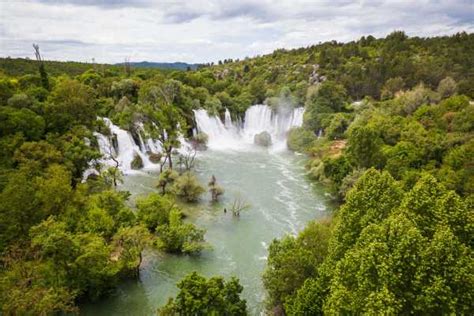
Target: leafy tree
(392,86)
(200,296)
(179,237)
(364,146)
(166,179)
(299,139)
(70,103)
(22,121)
(154,210)
(188,187)
(293,260)
(328,97)
(447,87)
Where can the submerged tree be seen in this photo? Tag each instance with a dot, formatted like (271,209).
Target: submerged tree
(166,179)
(238,205)
(187,187)
(215,189)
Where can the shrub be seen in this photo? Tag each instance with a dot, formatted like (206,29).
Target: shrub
(188,188)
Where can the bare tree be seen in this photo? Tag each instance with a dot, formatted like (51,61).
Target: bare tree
(188,158)
(239,205)
(42,70)
(127,66)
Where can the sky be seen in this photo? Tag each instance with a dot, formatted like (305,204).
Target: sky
(196,31)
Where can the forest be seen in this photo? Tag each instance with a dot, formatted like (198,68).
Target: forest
(387,128)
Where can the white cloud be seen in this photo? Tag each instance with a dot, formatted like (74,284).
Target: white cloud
(202,31)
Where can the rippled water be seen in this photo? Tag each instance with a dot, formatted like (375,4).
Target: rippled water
(281,200)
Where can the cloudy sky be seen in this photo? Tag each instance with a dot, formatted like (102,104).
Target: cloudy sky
(204,31)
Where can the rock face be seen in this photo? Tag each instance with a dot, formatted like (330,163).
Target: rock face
(263,139)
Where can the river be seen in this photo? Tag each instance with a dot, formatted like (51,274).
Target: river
(271,181)
(281,201)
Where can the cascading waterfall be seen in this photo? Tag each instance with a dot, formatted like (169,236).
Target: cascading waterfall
(126,148)
(258,118)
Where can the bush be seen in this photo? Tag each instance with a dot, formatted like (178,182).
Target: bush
(447,87)
(154,210)
(137,162)
(178,237)
(188,188)
(300,139)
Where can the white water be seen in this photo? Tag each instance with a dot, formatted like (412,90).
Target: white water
(222,135)
(258,118)
(127,148)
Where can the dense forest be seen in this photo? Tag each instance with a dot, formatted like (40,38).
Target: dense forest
(388,127)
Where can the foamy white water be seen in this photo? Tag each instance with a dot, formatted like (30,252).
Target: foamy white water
(258,118)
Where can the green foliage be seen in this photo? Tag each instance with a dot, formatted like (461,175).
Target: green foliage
(391,87)
(166,179)
(364,146)
(293,260)
(179,237)
(70,103)
(200,296)
(137,162)
(23,121)
(300,139)
(154,210)
(187,187)
(390,252)
(328,97)
(447,87)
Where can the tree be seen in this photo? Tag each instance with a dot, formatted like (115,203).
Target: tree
(70,103)
(327,97)
(364,146)
(293,260)
(200,296)
(22,121)
(188,187)
(447,87)
(164,123)
(391,87)
(178,237)
(166,179)
(129,243)
(154,210)
(214,189)
(42,70)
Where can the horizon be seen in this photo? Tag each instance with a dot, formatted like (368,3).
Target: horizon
(197,32)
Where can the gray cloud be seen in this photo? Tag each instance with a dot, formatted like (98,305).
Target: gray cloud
(202,31)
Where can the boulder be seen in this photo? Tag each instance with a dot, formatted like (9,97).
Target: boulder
(263,139)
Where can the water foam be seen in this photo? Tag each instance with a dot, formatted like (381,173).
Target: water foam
(258,118)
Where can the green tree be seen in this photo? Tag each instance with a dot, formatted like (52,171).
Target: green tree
(188,188)
(154,210)
(70,103)
(179,237)
(364,146)
(200,296)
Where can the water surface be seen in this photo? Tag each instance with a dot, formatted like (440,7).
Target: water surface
(281,201)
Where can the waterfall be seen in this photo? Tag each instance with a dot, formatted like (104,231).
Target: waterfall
(126,147)
(258,118)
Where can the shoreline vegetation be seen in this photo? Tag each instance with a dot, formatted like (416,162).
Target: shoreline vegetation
(388,127)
